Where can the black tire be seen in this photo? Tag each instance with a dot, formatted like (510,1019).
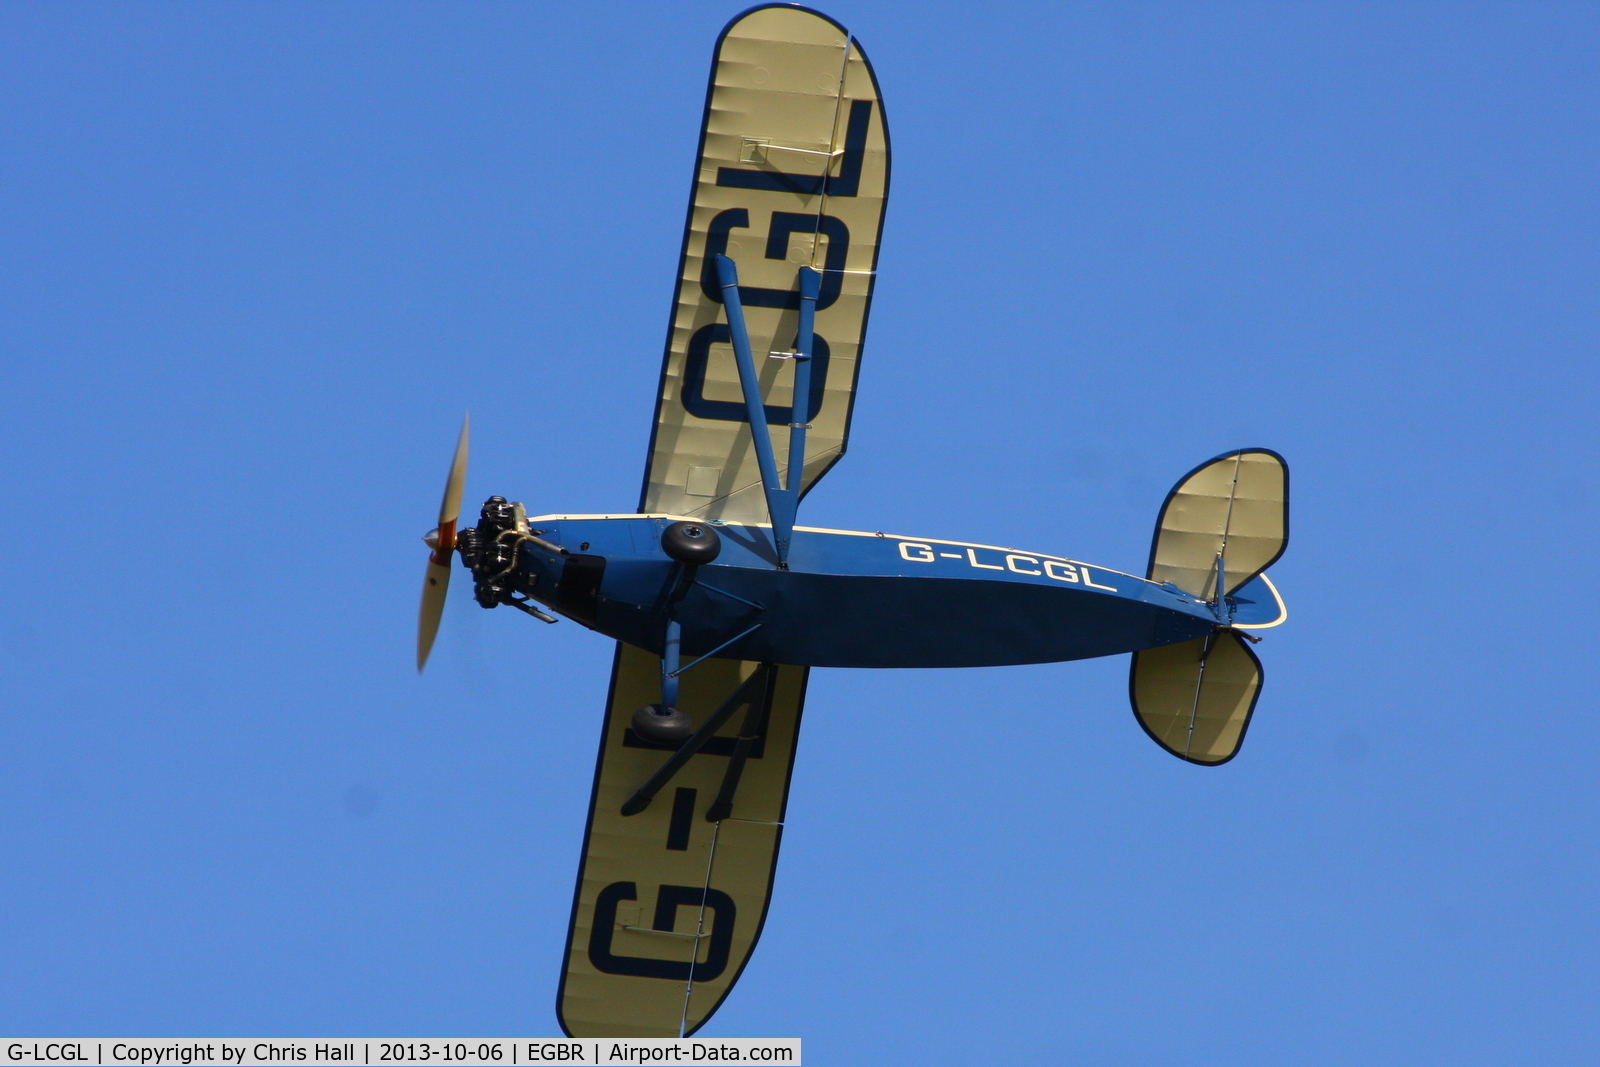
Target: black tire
(664,726)
(691,542)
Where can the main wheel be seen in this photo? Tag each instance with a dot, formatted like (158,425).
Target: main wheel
(691,542)
(664,726)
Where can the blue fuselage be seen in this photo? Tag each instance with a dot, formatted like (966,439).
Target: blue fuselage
(851,599)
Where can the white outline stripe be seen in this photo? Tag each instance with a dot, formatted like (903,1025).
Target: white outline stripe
(1283,609)
(846,533)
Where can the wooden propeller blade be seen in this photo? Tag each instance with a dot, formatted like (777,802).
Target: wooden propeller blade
(443,542)
(434,588)
(450,506)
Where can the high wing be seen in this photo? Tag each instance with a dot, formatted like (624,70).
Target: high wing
(793,171)
(669,903)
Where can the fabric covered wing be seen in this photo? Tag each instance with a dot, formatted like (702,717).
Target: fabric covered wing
(1236,505)
(668,906)
(1195,698)
(793,171)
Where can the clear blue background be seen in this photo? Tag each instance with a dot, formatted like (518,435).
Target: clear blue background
(257,259)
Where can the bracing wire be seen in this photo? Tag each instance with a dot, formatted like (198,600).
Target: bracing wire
(1227,519)
(699,931)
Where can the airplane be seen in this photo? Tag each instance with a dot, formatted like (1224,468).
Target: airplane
(720,603)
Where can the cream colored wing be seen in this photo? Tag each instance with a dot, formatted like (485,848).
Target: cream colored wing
(669,905)
(1237,506)
(793,171)
(1195,698)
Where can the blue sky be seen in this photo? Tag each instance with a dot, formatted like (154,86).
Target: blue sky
(257,259)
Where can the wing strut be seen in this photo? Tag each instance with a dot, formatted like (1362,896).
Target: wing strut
(783,497)
(755,724)
(746,693)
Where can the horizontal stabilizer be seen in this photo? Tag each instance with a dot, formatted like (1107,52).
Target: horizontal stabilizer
(1195,698)
(1235,506)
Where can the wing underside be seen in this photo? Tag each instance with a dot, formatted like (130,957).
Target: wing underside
(793,171)
(669,904)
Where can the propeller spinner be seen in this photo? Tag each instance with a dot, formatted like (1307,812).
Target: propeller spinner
(443,542)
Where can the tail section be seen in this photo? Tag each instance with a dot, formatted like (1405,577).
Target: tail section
(1195,698)
(1233,509)
(1222,526)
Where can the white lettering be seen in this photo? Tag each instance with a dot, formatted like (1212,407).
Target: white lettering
(1071,574)
(1011,561)
(972,558)
(906,548)
(1090,581)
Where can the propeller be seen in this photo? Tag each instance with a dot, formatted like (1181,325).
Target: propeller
(442,540)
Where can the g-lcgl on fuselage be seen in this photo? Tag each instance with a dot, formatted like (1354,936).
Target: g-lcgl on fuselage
(845,600)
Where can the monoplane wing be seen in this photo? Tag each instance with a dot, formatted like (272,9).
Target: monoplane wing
(793,171)
(669,903)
